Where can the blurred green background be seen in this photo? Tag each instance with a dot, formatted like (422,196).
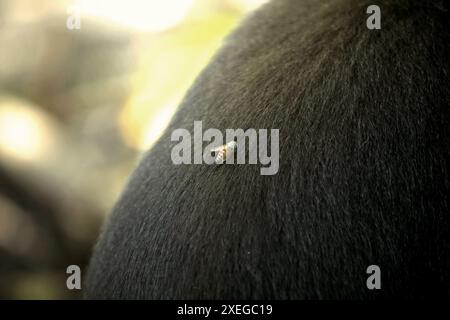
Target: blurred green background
(77,108)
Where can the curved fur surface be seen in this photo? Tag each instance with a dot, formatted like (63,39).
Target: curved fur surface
(364,166)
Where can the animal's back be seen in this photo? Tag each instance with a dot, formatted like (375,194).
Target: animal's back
(363,176)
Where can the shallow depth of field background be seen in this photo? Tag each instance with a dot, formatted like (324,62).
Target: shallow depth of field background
(77,109)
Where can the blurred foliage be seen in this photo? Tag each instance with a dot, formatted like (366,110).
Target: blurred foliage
(77,107)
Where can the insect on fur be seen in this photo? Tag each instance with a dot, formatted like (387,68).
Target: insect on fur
(224,151)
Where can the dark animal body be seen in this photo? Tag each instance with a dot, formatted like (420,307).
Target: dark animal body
(363,176)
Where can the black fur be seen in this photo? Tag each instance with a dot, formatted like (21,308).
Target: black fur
(364,166)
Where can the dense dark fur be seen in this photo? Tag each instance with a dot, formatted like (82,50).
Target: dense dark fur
(364,166)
